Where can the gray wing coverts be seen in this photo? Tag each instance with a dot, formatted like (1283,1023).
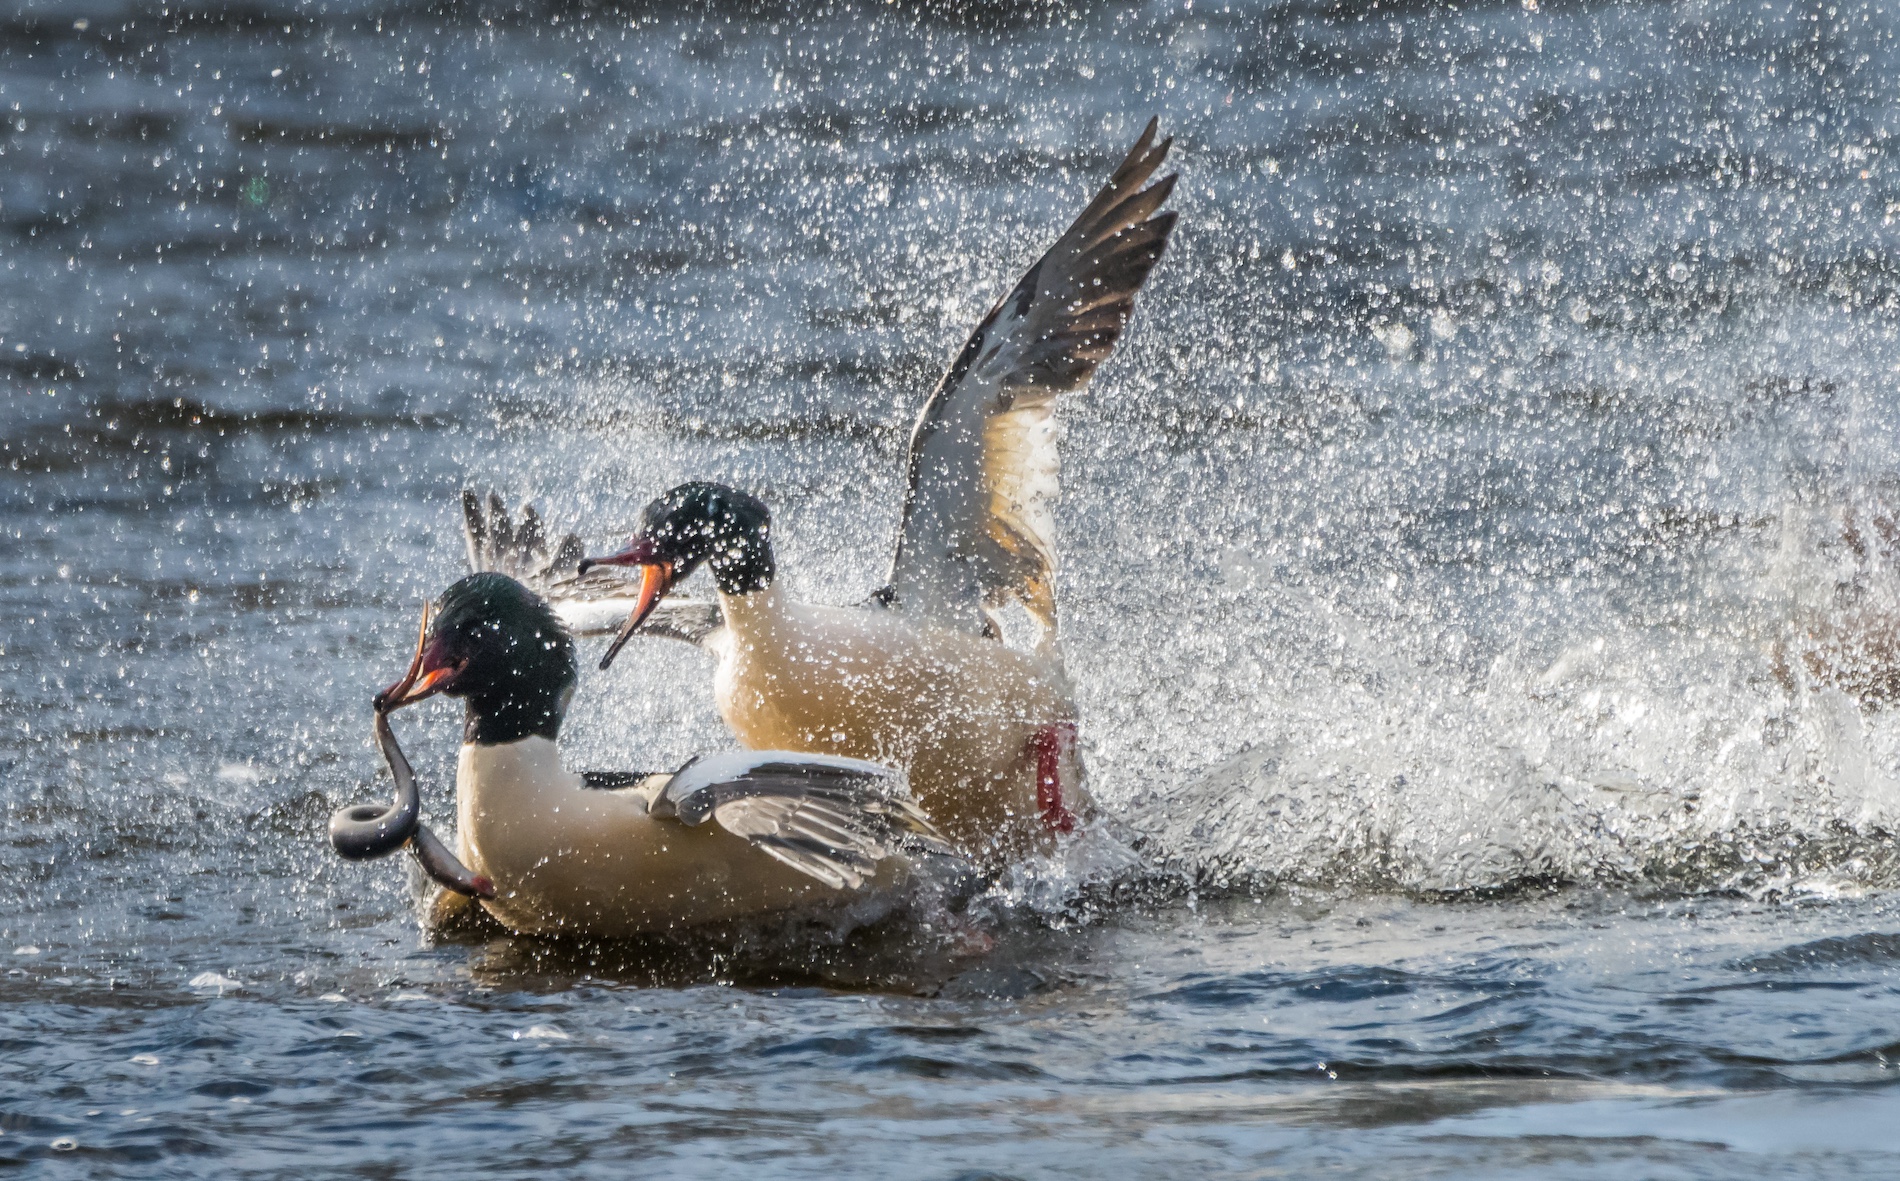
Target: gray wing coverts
(594,605)
(977,530)
(832,819)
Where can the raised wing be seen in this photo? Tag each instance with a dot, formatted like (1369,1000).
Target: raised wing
(594,605)
(977,529)
(833,819)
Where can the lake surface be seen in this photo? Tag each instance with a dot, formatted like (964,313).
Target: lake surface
(1509,396)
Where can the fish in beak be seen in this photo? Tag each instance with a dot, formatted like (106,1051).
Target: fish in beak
(656,578)
(363,831)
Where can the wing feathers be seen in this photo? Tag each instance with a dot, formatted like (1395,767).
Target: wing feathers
(1138,207)
(833,819)
(474,530)
(500,531)
(813,862)
(568,555)
(596,604)
(529,543)
(493,542)
(1133,172)
(977,531)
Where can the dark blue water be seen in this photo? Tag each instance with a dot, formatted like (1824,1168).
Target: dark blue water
(1505,406)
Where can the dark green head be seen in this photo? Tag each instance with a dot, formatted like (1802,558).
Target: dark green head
(729,530)
(498,646)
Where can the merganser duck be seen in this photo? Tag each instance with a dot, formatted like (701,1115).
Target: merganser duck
(547,850)
(917,674)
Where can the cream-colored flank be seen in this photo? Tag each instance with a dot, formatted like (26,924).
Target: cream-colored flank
(958,712)
(565,857)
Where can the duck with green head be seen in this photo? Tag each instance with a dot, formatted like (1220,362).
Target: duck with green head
(549,850)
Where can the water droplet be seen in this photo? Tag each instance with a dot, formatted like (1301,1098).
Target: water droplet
(1397,339)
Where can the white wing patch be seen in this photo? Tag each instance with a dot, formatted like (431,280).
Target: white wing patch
(1022,470)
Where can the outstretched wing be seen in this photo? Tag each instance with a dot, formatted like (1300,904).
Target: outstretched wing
(594,605)
(977,530)
(833,819)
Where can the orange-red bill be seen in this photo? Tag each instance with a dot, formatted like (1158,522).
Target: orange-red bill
(414,689)
(419,682)
(430,683)
(655,578)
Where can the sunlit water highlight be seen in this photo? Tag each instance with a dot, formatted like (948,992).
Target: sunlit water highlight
(1509,398)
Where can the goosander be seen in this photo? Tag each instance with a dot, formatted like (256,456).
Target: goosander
(548,850)
(917,675)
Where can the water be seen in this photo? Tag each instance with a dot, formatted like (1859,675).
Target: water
(1517,385)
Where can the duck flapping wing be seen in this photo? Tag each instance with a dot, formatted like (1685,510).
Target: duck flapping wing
(832,819)
(977,529)
(596,604)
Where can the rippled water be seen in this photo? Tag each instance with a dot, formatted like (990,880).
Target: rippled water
(1511,393)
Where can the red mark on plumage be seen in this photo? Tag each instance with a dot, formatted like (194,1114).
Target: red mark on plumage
(1050,743)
